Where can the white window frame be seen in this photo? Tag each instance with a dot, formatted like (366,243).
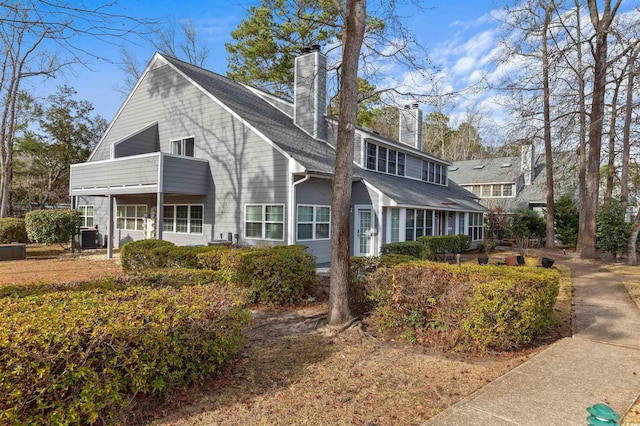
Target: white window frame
(82,209)
(264,222)
(389,152)
(189,219)
(313,222)
(135,218)
(473,226)
(183,146)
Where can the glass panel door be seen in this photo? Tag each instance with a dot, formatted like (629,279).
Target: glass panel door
(364,232)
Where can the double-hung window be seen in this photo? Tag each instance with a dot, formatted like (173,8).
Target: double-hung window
(475,226)
(385,160)
(131,217)
(264,221)
(314,222)
(185,147)
(183,219)
(86,213)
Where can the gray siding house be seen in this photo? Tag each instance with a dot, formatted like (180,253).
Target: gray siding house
(513,183)
(194,157)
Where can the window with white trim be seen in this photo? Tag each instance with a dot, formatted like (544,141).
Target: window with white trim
(496,190)
(475,226)
(86,213)
(434,173)
(418,223)
(314,222)
(183,219)
(131,217)
(185,147)
(264,221)
(385,160)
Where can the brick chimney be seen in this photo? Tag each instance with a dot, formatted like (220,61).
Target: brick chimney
(310,92)
(411,126)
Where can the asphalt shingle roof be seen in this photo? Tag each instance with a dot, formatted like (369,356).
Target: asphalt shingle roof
(314,155)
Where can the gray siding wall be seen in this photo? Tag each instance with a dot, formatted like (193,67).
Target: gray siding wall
(413,167)
(144,142)
(133,171)
(182,175)
(243,167)
(315,192)
(100,214)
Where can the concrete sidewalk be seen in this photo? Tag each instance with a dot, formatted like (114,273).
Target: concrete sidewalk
(599,364)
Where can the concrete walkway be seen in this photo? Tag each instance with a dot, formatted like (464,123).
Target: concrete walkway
(599,364)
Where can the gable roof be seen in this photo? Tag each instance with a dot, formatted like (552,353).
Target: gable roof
(312,154)
(487,170)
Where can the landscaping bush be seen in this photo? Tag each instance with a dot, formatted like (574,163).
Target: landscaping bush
(151,253)
(277,275)
(511,308)
(102,347)
(407,248)
(567,220)
(141,254)
(360,268)
(439,246)
(612,231)
(470,307)
(53,226)
(525,225)
(13,230)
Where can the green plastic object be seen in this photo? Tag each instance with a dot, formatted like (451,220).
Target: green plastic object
(602,415)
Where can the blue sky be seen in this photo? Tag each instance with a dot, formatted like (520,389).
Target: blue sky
(459,36)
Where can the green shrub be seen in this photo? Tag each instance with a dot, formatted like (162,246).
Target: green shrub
(407,248)
(278,275)
(442,245)
(53,226)
(511,308)
(13,230)
(612,231)
(567,220)
(100,348)
(141,254)
(525,225)
(145,254)
(470,307)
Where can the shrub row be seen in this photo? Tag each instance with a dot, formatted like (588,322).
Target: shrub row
(13,230)
(272,276)
(470,307)
(429,247)
(103,346)
(139,255)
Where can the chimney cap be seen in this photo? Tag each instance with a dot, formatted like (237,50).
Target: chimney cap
(407,106)
(415,105)
(315,47)
(306,50)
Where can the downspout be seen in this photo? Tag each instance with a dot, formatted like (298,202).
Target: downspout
(292,202)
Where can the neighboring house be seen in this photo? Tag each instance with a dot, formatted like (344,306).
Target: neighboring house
(194,157)
(514,183)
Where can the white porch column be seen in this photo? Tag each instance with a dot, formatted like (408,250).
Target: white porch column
(159,214)
(110,229)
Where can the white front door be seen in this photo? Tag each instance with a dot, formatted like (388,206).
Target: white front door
(364,227)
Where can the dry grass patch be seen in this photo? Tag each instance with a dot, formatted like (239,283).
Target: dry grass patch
(311,379)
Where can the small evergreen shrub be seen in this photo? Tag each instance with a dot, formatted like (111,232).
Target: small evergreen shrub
(53,226)
(13,230)
(407,248)
(567,220)
(436,247)
(104,346)
(277,275)
(612,231)
(525,225)
(141,254)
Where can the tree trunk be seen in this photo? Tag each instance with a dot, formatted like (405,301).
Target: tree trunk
(550,231)
(601,26)
(611,164)
(632,258)
(582,149)
(352,38)
(626,130)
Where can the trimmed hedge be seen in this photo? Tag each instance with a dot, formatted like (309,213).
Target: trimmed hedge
(277,275)
(53,226)
(151,253)
(13,230)
(470,307)
(102,347)
(415,249)
(442,245)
